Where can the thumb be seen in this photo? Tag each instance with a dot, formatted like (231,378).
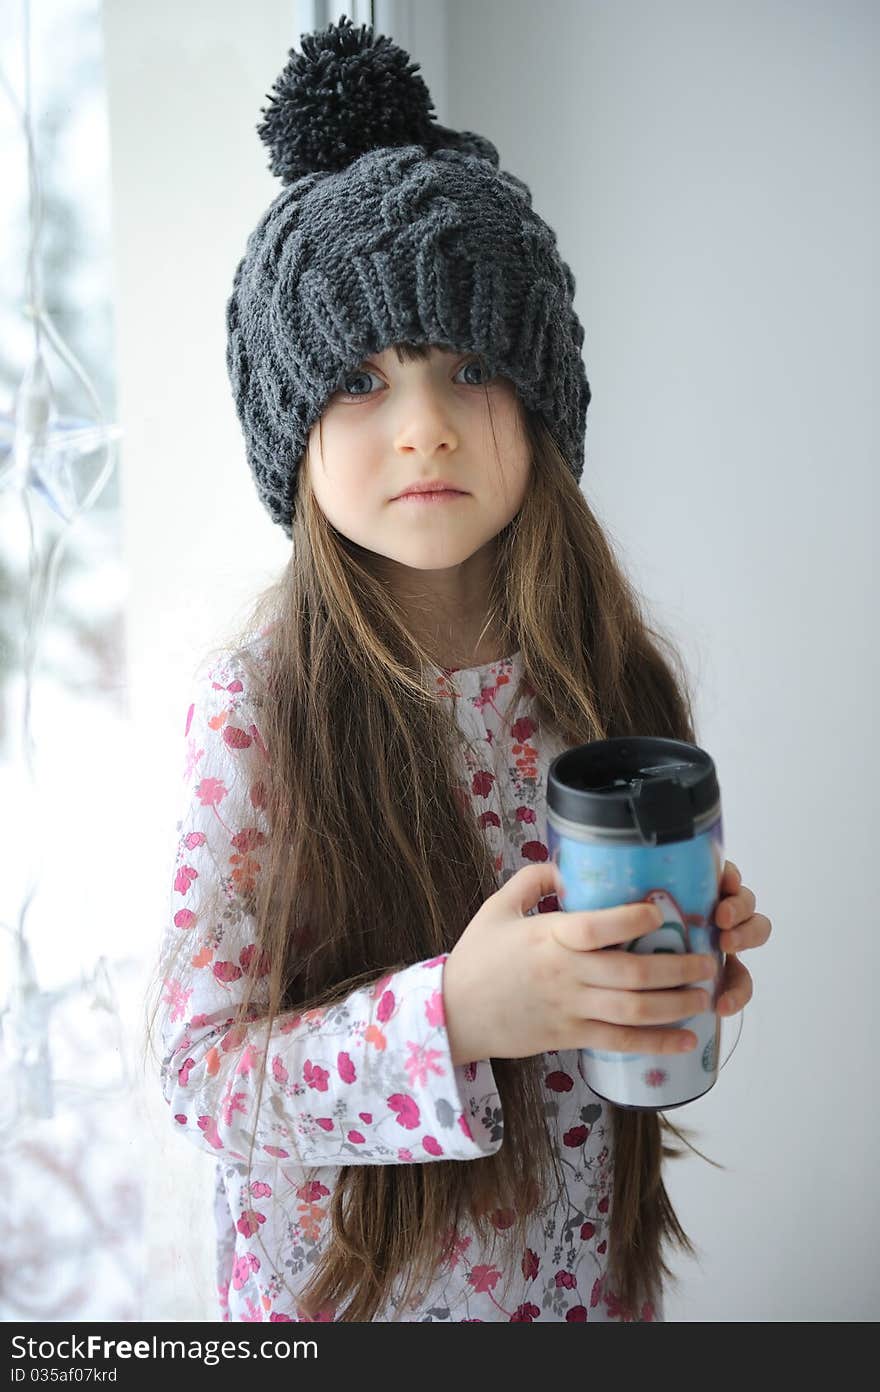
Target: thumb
(524,889)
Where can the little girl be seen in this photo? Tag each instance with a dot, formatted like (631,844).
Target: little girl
(365,1019)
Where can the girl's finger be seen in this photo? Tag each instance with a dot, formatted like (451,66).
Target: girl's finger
(737,987)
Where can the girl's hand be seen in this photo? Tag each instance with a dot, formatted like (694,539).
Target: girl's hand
(740,927)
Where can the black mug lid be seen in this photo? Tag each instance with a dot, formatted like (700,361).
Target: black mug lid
(656,788)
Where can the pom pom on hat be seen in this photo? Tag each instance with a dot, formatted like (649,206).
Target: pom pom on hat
(346,93)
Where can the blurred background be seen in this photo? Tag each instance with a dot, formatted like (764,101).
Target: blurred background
(711,172)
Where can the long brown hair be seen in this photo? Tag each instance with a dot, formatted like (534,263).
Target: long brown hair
(373,862)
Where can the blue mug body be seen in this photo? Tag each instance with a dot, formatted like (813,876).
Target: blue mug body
(669,852)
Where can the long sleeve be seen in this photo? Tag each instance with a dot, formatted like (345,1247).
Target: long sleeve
(369,1080)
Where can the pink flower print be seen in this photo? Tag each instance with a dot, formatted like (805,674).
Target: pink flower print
(534,851)
(226,971)
(231,1105)
(184,1072)
(656,1077)
(184,878)
(575,1136)
(434,1012)
(648,1312)
(250,1221)
(526,814)
(419,1061)
(209,1126)
(355,1137)
(385,1008)
(248,1060)
(189,716)
(406,1108)
(211,792)
(180,1118)
(233,1037)
(325,1123)
(184,918)
(260,1190)
(380,985)
(559,1082)
(276,1317)
(236,738)
(345,1068)
(435,961)
(176,997)
(458,1250)
(488,818)
(254,1314)
(577,1314)
(525,1313)
(366,1118)
(565,1280)
(242,1268)
(432,1145)
(193,755)
(481,783)
(464,1128)
(315,1076)
(277,1152)
(194,839)
(404,1155)
(530,1264)
(279,1072)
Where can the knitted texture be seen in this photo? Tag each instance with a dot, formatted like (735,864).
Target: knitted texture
(422,240)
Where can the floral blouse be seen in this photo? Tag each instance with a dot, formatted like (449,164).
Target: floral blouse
(371,1080)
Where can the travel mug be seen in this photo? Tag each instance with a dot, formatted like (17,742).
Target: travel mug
(638,818)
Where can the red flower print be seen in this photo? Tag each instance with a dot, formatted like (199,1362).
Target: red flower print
(523,728)
(211,791)
(525,814)
(481,783)
(603,1247)
(236,738)
(576,1136)
(315,1076)
(261,1190)
(577,1314)
(385,1008)
(534,851)
(312,1191)
(587,1230)
(596,1292)
(249,839)
(616,1310)
(407,1110)
(502,1218)
(276,1317)
(249,953)
(488,819)
(530,1264)
(525,1314)
(226,971)
(484,1278)
(565,1280)
(602,1205)
(345,1068)
(184,1072)
(250,1221)
(559,1082)
(464,1128)
(656,1077)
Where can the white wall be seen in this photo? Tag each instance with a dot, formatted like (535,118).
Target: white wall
(708,171)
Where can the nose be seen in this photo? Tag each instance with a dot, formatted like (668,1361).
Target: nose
(426,426)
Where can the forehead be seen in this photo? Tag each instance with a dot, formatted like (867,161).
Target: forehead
(416,352)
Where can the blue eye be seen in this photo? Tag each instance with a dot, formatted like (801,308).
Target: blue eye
(353,377)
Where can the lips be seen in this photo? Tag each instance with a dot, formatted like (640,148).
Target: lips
(430,486)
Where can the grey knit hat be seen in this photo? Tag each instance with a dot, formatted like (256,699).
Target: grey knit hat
(390,228)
